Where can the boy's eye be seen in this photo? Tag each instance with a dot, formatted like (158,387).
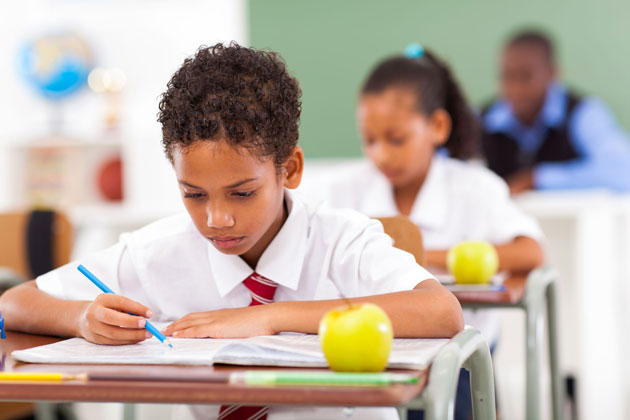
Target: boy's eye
(397,141)
(192,195)
(243,194)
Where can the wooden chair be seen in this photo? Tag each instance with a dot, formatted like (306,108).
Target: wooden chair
(33,242)
(406,235)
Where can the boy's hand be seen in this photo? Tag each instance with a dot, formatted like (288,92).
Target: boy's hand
(521,181)
(224,323)
(107,320)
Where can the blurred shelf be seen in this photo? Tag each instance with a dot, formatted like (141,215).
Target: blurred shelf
(119,217)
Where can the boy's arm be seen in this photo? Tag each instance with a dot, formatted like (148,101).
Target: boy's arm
(429,310)
(604,150)
(104,320)
(28,309)
(522,254)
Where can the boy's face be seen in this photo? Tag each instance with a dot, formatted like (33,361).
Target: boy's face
(234,198)
(526,71)
(398,139)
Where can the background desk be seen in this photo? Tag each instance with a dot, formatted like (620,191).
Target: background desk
(515,285)
(535,294)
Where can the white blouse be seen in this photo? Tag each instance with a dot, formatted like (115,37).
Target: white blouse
(458,201)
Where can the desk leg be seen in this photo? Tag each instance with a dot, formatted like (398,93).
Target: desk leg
(45,411)
(129,411)
(439,397)
(467,349)
(482,383)
(540,293)
(534,321)
(402,413)
(552,333)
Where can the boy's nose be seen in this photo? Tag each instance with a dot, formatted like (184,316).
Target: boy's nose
(219,218)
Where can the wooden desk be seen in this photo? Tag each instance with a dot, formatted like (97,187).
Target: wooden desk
(435,392)
(514,291)
(153,391)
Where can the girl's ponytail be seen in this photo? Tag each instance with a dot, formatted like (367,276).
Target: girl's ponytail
(463,142)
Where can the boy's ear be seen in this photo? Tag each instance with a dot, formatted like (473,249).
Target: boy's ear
(294,166)
(441,125)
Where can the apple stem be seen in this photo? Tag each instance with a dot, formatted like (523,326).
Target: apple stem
(343,297)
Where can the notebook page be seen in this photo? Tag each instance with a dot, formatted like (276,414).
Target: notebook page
(196,351)
(295,350)
(305,350)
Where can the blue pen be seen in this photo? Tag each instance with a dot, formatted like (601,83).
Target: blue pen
(106,289)
(2,334)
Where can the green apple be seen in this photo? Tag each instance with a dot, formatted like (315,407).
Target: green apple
(356,338)
(472,262)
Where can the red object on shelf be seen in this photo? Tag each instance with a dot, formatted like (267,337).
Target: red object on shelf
(109,179)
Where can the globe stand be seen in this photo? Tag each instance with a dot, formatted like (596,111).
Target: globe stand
(56,119)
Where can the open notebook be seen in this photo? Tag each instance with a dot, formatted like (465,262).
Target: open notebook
(295,350)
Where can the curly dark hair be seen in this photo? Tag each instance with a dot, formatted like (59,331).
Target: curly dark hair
(236,94)
(430,79)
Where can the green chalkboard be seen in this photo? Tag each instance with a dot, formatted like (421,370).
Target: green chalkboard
(330,45)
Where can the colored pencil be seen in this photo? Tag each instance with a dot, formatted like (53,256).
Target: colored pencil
(39,377)
(325,378)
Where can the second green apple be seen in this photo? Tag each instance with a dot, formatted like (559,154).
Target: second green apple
(472,262)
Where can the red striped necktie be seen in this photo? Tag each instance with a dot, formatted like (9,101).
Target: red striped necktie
(262,291)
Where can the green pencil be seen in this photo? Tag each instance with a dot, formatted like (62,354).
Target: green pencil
(279,377)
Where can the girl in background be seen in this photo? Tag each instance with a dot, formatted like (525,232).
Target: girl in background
(417,132)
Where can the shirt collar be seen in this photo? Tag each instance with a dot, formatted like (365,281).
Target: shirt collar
(429,210)
(281,262)
(499,117)
(429,207)
(554,108)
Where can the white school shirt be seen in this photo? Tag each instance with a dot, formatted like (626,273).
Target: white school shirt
(171,268)
(458,201)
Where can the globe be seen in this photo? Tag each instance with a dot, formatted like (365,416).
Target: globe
(56,65)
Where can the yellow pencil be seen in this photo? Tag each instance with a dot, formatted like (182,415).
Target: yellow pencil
(39,377)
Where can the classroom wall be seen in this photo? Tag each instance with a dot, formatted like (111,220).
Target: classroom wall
(148,39)
(330,45)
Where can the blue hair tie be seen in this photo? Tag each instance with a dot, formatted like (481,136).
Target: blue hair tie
(414,50)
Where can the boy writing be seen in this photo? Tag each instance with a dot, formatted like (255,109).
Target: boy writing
(249,257)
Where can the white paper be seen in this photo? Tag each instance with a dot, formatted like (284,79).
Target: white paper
(448,278)
(295,350)
(150,352)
